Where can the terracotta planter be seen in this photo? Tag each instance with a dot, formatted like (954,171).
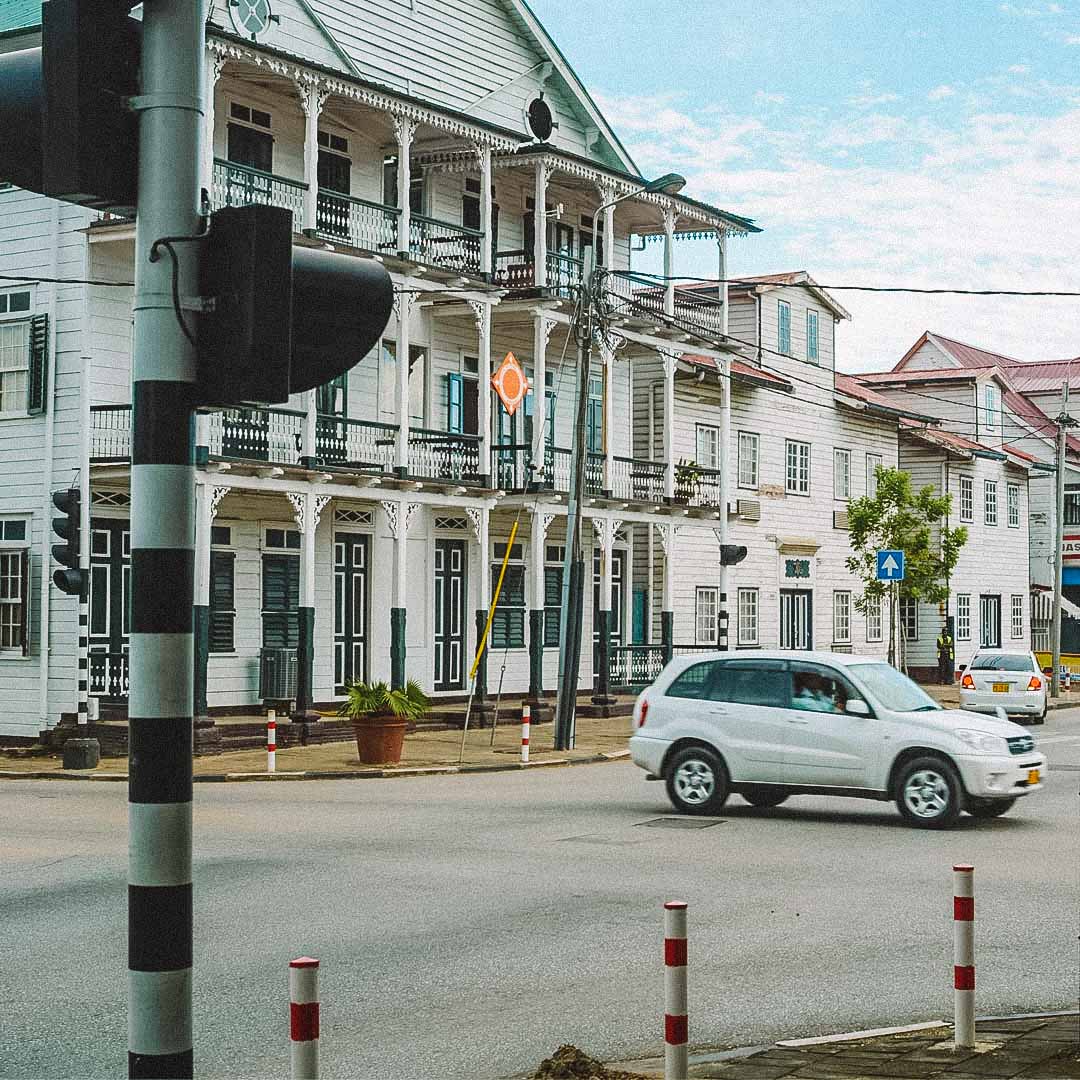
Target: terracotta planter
(379,739)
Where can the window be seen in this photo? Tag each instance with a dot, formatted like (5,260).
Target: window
(841,607)
(873,463)
(817,689)
(752,682)
(417,385)
(248,140)
(470,204)
(812,336)
(873,618)
(23,355)
(990,408)
(783,331)
(967,498)
(288,539)
(1012,499)
(14,587)
(708,446)
(909,619)
(747,617)
(508,624)
(1072,507)
(222,601)
(706,614)
(963,616)
(1017,620)
(798,468)
(990,502)
(693,682)
(748,459)
(331,399)
(390,186)
(553,572)
(281,599)
(842,474)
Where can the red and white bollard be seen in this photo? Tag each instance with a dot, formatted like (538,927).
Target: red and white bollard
(271,741)
(675,1025)
(304,1018)
(964,956)
(526,723)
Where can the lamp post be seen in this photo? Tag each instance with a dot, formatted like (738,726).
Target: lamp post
(573,578)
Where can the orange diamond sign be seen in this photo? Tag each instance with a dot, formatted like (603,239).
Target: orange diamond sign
(510,383)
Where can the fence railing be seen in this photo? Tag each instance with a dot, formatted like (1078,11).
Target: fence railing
(635,296)
(110,432)
(358,222)
(274,435)
(443,243)
(515,269)
(239,185)
(441,455)
(563,273)
(638,665)
(697,486)
(108,675)
(637,479)
(356,444)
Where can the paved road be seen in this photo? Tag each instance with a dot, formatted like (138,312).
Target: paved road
(468,925)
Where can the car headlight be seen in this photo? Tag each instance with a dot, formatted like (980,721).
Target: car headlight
(981,743)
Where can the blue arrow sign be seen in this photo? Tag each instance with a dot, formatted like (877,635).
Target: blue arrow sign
(890,566)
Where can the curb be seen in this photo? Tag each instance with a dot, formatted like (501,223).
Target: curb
(330,774)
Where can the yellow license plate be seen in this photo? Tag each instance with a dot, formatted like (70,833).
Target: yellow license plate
(1001,688)
(1033,776)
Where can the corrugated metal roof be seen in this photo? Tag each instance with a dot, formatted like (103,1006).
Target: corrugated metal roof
(19,15)
(740,370)
(746,282)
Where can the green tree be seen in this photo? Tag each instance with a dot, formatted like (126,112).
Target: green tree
(900,518)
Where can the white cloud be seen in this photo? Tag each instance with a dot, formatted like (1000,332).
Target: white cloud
(940,92)
(1071,39)
(1018,69)
(869,100)
(764,97)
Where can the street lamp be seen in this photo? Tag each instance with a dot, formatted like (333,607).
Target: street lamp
(573,582)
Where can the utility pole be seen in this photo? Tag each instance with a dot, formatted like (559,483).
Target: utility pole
(160,923)
(723,614)
(1064,420)
(573,583)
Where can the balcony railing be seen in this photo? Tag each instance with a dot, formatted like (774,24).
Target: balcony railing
(239,185)
(564,273)
(697,486)
(110,432)
(357,222)
(515,269)
(638,480)
(442,243)
(355,444)
(108,675)
(271,435)
(640,297)
(441,455)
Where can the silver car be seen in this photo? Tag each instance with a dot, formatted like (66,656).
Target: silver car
(1012,681)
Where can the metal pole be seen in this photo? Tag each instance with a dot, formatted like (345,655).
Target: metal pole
(573,564)
(723,613)
(963,956)
(160,707)
(304,1018)
(675,996)
(1059,533)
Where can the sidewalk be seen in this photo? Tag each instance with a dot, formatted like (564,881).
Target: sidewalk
(425,752)
(1033,1048)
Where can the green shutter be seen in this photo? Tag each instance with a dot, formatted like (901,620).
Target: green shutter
(455,403)
(222,601)
(38,381)
(552,605)
(281,601)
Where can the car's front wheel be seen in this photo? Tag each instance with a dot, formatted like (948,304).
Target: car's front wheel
(988,808)
(697,782)
(928,793)
(765,797)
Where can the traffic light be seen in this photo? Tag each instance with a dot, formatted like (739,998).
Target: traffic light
(64,106)
(284,319)
(69,503)
(731,554)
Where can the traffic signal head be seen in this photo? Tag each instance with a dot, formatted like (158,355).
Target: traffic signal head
(284,319)
(70,579)
(731,554)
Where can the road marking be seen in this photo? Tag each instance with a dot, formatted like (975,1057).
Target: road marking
(1042,741)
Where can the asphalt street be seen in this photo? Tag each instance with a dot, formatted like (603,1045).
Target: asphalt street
(468,925)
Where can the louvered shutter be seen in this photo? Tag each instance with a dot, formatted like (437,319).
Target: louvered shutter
(24,579)
(38,362)
(222,602)
(281,599)
(552,606)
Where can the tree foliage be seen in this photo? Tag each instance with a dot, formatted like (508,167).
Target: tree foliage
(899,518)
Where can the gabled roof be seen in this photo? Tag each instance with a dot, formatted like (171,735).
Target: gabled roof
(850,388)
(1045,377)
(763,282)
(949,440)
(921,375)
(966,356)
(740,372)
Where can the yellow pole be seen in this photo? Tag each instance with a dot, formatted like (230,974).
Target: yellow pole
(494,600)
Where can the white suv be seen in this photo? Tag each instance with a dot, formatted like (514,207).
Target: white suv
(772,724)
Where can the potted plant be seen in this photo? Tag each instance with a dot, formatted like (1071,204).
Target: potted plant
(687,480)
(380,716)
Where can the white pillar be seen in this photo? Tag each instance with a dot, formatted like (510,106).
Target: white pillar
(404,129)
(311,101)
(204,516)
(541,331)
(483,397)
(483,578)
(404,308)
(536,559)
(543,171)
(607,354)
(669,261)
(400,521)
(308,523)
(486,216)
(214,65)
(667,541)
(308,439)
(609,236)
(670,360)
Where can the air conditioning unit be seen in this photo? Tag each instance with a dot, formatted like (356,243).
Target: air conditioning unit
(277,674)
(749,509)
(840,519)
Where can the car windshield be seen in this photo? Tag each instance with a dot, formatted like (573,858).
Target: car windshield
(996,661)
(893,688)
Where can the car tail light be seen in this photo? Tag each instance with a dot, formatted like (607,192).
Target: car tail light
(644,712)
(967,682)
(1034,683)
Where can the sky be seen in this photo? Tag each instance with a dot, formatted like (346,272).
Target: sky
(919,144)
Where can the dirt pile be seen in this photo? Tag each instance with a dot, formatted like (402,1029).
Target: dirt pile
(570,1063)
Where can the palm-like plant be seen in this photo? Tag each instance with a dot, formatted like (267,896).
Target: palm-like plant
(377,699)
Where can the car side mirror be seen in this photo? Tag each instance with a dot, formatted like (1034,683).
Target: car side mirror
(857,707)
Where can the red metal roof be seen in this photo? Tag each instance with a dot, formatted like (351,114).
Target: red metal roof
(1015,451)
(948,438)
(849,385)
(748,371)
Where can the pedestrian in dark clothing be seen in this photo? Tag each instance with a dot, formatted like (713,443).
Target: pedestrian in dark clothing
(945,654)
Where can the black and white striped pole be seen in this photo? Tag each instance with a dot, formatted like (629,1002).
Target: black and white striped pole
(160,710)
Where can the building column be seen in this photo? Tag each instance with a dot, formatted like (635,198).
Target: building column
(482,316)
(541,522)
(667,612)
(308,435)
(670,217)
(607,194)
(543,174)
(607,358)
(207,499)
(404,305)
(486,216)
(723,614)
(537,460)
(404,130)
(399,515)
(312,99)
(307,508)
(605,529)
(670,360)
(215,63)
(480,518)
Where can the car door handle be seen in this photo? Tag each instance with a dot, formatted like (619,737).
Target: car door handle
(798,720)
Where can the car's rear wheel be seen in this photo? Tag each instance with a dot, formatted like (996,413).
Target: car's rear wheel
(697,782)
(988,808)
(1041,718)
(765,796)
(928,793)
